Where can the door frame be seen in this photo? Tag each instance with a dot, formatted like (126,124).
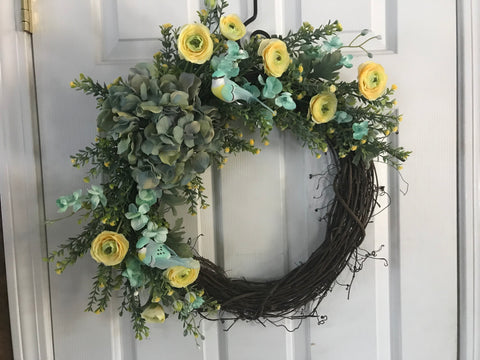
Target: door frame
(21,188)
(21,193)
(468,172)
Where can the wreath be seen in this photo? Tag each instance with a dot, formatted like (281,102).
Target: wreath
(171,119)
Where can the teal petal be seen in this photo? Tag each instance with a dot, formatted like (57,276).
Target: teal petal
(360,130)
(285,100)
(346,61)
(342,117)
(272,87)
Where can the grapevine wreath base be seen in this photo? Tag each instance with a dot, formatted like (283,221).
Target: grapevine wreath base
(356,190)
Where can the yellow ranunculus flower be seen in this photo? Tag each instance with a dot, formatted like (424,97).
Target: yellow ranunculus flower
(372,80)
(195,44)
(109,248)
(180,276)
(232,27)
(275,56)
(154,313)
(323,107)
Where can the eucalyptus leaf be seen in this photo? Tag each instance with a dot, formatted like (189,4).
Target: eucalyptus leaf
(200,162)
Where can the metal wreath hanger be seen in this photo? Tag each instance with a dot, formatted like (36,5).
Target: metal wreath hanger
(252,19)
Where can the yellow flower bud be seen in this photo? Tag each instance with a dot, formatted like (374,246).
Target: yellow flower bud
(394,102)
(170,292)
(112,223)
(266,143)
(72,84)
(300,68)
(400,167)
(394,87)
(251,142)
(58,271)
(300,78)
(156,299)
(332,88)
(257,151)
(354,147)
(318,156)
(106,164)
(387,132)
(167,26)
(363,141)
(395,129)
(240,135)
(300,96)
(227,150)
(400,118)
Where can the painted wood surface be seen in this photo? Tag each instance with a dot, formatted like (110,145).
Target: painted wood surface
(404,311)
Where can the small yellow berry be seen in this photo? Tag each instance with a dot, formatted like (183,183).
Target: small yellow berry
(167,26)
(354,147)
(274,113)
(342,156)
(240,135)
(106,164)
(227,150)
(400,167)
(109,86)
(266,143)
(395,129)
(363,141)
(331,130)
(112,223)
(204,207)
(300,68)
(257,151)
(300,78)
(201,292)
(73,161)
(339,26)
(394,102)
(387,132)
(101,285)
(58,271)
(332,88)
(300,96)
(164,66)
(170,292)
(400,118)
(394,87)
(156,299)
(220,166)
(251,142)
(98,311)
(215,40)
(72,84)
(318,156)
(224,160)
(104,220)
(218,307)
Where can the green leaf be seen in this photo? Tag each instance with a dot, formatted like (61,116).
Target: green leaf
(123,145)
(179,98)
(192,128)
(200,161)
(328,66)
(178,134)
(163,124)
(169,157)
(183,250)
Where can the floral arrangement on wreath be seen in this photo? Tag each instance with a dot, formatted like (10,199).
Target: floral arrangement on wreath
(161,127)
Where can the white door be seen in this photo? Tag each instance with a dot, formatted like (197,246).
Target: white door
(404,311)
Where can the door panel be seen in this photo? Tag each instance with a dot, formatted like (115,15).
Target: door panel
(263,221)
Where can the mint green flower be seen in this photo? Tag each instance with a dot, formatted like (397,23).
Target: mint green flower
(154,232)
(285,100)
(360,130)
(342,117)
(333,44)
(74,200)
(133,272)
(137,216)
(149,197)
(96,196)
(272,87)
(346,61)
